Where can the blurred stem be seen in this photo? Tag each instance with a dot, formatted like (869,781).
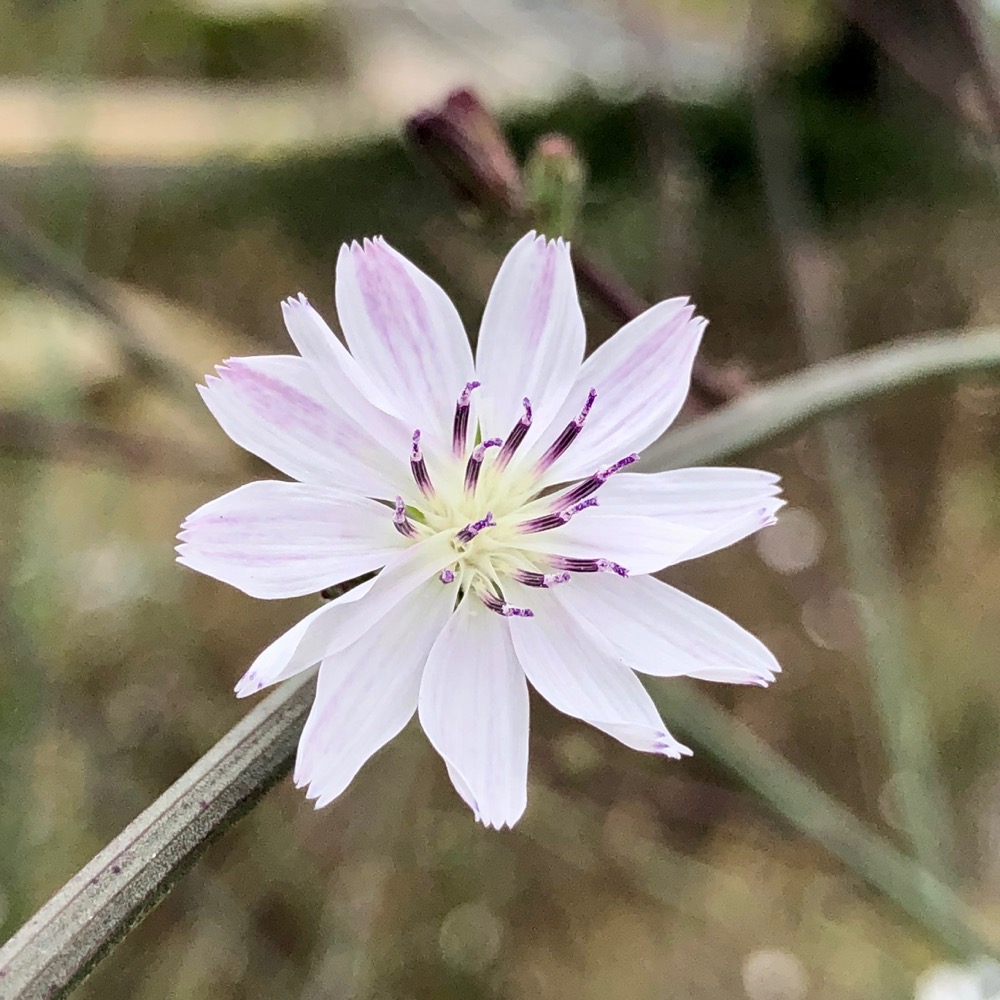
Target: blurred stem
(68,936)
(26,435)
(793,795)
(35,258)
(788,404)
(80,924)
(811,276)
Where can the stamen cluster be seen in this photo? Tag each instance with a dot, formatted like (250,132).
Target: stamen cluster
(483,501)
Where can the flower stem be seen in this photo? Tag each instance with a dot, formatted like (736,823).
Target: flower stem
(793,795)
(790,403)
(62,943)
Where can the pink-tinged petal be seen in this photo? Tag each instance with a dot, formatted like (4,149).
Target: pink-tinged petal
(474,709)
(532,337)
(342,377)
(405,334)
(276,539)
(644,544)
(571,666)
(641,375)
(662,631)
(276,408)
(700,496)
(368,692)
(337,625)
(278,661)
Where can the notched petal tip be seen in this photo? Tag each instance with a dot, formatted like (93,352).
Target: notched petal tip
(667,746)
(247,685)
(499,824)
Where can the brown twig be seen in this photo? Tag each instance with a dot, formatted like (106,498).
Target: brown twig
(464,143)
(711,385)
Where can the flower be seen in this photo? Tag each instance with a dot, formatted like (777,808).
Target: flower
(497,502)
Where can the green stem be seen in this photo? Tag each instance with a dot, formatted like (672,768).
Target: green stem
(73,931)
(788,404)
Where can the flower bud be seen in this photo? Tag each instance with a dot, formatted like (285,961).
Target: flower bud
(555,180)
(464,142)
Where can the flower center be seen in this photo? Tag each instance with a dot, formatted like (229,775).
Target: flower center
(488,509)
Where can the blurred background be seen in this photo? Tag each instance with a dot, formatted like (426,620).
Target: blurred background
(819,176)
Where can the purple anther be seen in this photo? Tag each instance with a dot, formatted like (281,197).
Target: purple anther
(419,467)
(471,530)
(460,427)
(532,579)
(607,566)
(516,436)
(401,522)
(446,576)
(573,565)
(567,436)
(556,519)
(475,462)
(594,483)
(501,607)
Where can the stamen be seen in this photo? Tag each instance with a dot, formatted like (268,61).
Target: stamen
(568,435)
(476,462)
(471,530)
(595,482)
(460,427)
(501,607)
(446,576)
(531,579)
(401,522)
(419,468)
(556,519)
(516,436)
(587,565)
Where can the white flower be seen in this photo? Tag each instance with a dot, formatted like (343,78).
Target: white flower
(443,474)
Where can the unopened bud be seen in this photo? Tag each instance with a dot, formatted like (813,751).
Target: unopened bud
(555,181)
(463,140)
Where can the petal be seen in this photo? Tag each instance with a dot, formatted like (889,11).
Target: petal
(464,792)
(641,376)
(701,496)
(341,376)
(276,408)
(278,662)
(644,544)
(342,622)
(570,665)
(532,337)
(660,630)
(724,533)
(367,693)
(276,539)
(474,709)
(405,334)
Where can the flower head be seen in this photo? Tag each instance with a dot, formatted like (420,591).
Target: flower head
(498,501)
